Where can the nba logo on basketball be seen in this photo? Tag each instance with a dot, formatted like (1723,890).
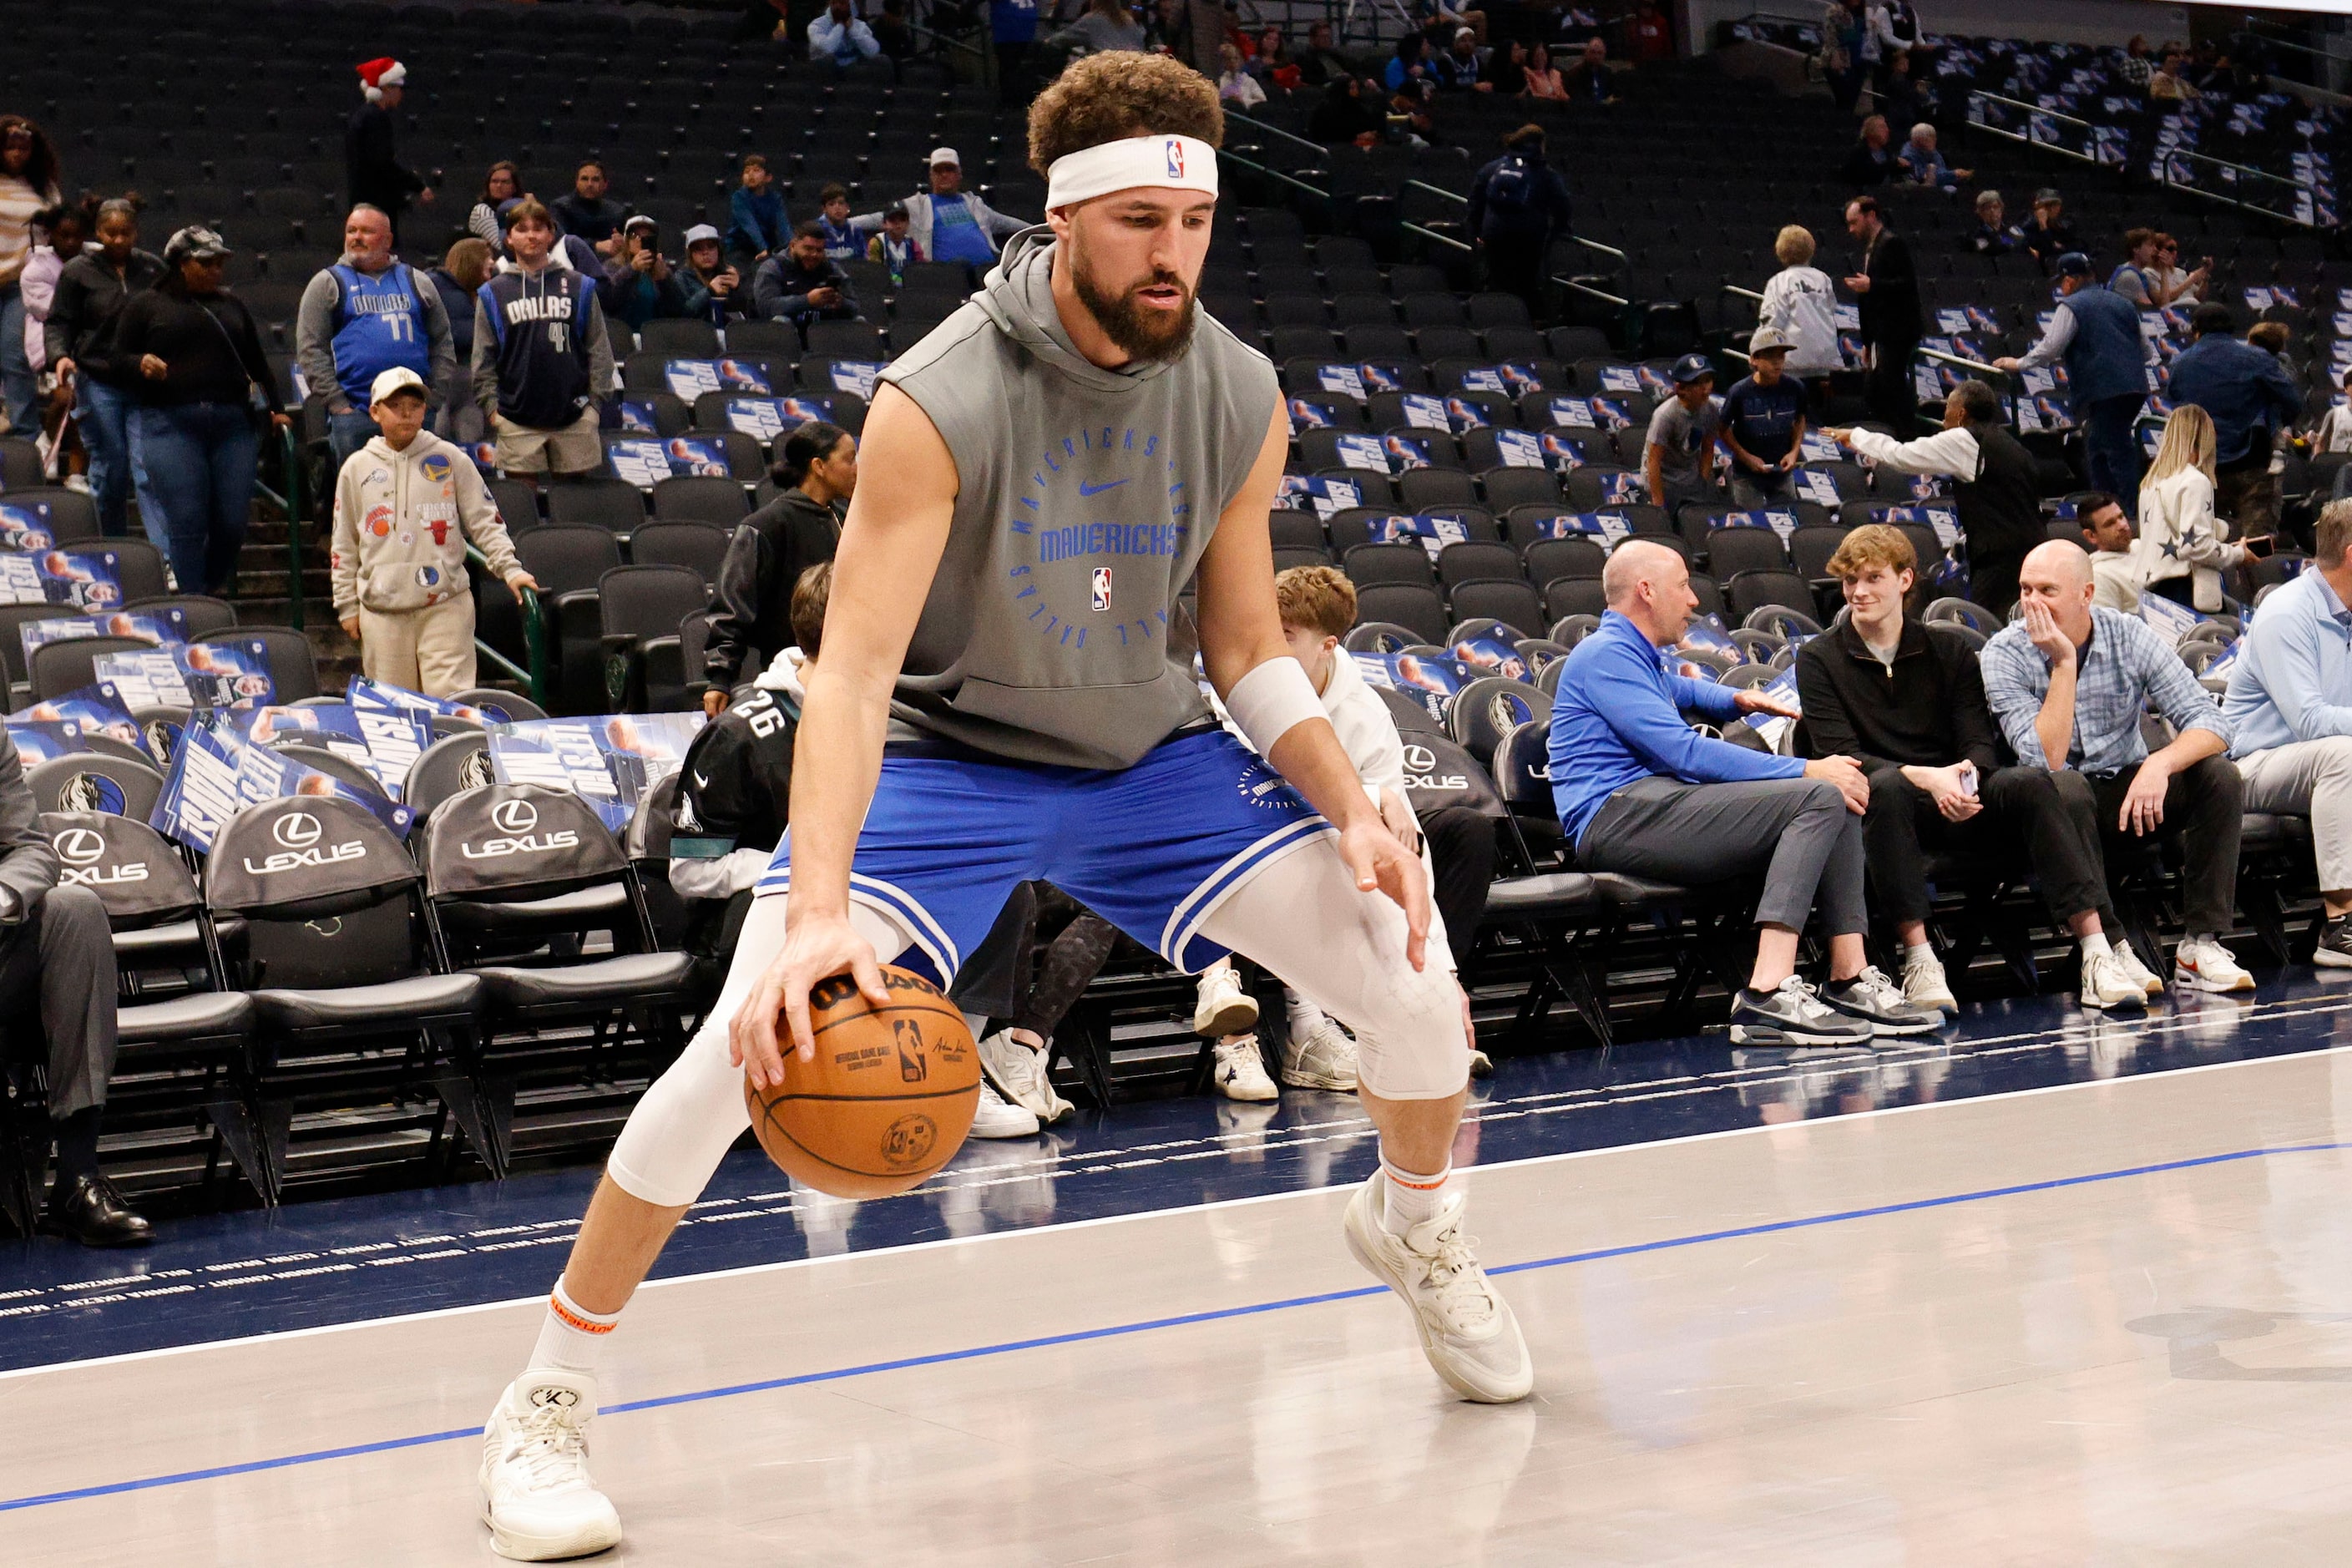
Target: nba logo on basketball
(1175,172)
(912,1067)
(1102,587)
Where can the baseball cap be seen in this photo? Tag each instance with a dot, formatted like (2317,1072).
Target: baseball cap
(893,212)
(399,378)
(2074,264)
(639,220)
(1765,340)
(1693,367)
(945,155)
(2047,194)
(197,242)
(699,233)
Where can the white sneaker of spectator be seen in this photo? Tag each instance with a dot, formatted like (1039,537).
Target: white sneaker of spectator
(1241,1069)
(1321,1057)
(997,1117)
(1222,1008)
(2205,965)
(2105,984)
(2127,961)
(1924,984)
(1018,1071)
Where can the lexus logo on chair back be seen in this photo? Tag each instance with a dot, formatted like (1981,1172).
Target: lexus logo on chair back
(516,820)
(299,832)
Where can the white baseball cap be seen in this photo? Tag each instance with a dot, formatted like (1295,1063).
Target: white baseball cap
(945,155)
(400,378)
(699,233)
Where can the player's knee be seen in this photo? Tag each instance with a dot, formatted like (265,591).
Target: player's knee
(1410,1043)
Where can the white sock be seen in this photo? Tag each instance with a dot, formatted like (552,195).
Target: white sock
(1413,1198)
(2095,945)
(1304,1016)
(1926,947)
(573,1336)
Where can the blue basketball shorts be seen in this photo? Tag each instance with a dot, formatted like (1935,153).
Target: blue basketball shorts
(1153,848)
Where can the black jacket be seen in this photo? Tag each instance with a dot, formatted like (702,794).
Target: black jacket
(1865,169)
(1539,196)
(1929,711)
(769,550)
(89,297)
(737,780)
(372,171)
(781,288)
(209,346)
(1890,311)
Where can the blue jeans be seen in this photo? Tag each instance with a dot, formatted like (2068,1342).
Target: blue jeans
(347,433)
(109,433)
(2111,447)
(19,389)
(200,470)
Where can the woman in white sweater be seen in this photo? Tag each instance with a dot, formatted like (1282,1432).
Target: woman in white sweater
(1800,302)
(2181,551)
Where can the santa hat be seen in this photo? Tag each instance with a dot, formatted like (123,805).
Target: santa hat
(377,75)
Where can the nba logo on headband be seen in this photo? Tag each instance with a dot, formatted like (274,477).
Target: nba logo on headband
(1175,159)
(1131,163)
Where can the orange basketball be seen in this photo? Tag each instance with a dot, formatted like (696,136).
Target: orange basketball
(887,1100)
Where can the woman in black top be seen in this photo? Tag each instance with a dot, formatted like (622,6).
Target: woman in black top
(79,339)
(199,360)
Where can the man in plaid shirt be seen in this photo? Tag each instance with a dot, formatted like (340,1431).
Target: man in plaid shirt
(2068,681)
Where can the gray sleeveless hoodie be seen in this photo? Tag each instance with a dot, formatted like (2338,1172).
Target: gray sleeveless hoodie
(1051,633)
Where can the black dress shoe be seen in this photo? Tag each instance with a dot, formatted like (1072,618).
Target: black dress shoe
(89,1210)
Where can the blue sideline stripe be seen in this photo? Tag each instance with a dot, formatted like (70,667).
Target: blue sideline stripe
(837,1374)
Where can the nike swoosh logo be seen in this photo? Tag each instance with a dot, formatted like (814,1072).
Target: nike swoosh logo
(1086,489)
(701,782)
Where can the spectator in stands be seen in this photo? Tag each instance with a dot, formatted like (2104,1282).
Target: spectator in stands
(2107,535)
(64,229)
(2145,279)
(361,316)
(1905,701)
(78,336)
(894,32)
(2136,67)
(57,965)
(1679,458)
(2250,396)
(28,184)
(1591,81)
(405,510)
(895,246)
(2289,704)
(1993,235)
(200,360)
(1106,25)
(502,185)
(463,271)
(639,285)
(772,548)
(840,38)
(1763,422)
(1897,97)
(949,224)
(2334,433)
(1439,19)
(588,214)
(2096,332)
(373,174)
(2183,551)
(713,284)
(1236,85)
(2048,235)
(1012,29)
(844,240)
(2169,85)
(1271,63)
(2067,682)
(1653,34)
(1641,792)
(757,224)
(1800,305)
(1999,492)
(1460,68)
(1887,287)
(1345,116)
(1871,163)
(1847,51)
(1923,165)
(1541,78)
(1322,64)
(540,369)
(802,286)
(1518,205)
(1410,62)
(2172,282)
(1410,123)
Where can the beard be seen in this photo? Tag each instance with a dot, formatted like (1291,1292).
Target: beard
(1141,331)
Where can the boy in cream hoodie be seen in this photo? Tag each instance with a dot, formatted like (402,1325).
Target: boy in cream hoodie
(406,504)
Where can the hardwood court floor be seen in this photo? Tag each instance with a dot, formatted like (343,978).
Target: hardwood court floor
(2109,1322)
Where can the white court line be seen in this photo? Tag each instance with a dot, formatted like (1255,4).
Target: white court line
(536,1300)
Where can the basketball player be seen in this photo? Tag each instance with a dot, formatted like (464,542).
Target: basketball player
(1007,695)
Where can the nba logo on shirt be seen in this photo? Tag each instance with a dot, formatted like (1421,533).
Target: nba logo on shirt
(1102,587)
(1175,166)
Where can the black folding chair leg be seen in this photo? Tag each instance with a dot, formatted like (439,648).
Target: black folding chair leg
(238,1127)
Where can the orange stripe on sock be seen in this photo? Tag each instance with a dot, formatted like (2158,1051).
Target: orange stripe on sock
(574,1320)
(1430,1185)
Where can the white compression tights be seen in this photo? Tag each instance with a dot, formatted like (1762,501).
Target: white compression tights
(1300,915)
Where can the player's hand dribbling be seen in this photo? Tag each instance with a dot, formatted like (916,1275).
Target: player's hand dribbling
(815,946)
(1381,865)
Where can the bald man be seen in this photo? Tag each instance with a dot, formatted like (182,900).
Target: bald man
(1640,791)
(2068,680)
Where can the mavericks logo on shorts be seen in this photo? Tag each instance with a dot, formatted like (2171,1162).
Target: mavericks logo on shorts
(1102,587)
(1264,788)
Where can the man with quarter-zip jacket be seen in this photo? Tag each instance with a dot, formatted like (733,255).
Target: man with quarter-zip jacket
(1905,701)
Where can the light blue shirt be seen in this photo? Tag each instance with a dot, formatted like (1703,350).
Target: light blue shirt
(2292,678)
(2125,669)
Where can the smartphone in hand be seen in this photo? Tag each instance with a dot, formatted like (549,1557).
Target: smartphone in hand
(2260,545)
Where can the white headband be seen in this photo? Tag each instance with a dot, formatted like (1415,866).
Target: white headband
(1163,162)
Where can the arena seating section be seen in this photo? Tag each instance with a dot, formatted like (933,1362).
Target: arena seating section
(1510,447)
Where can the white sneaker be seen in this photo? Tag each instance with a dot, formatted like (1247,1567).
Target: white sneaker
(997,1117)
(2128,964)
(1467,1329)
(2208,966)
(1325,1059)
(2105,985)
(537,1498)
(1224,1008)
(1241,1070)
(1019,1075)
(1924,984)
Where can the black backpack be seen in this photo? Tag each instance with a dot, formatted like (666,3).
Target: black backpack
(1511,188)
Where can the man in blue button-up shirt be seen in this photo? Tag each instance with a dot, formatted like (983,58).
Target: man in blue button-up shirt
(2068,683)
(2251,398)
(1640,792)
(2290,709)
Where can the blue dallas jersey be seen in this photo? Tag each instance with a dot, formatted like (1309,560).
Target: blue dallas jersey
(540,320)
(379,326)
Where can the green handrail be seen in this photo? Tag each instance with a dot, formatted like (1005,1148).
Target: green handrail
(290,503)
(534,639)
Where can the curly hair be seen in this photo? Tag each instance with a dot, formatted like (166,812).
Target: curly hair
(1317,598)
(1105,97)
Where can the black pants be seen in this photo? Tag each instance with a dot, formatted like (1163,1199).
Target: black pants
(1993,582)
(1038,960)
(1462,848)
(56,965)
(1887,389)
(2204,805)
(1013,86)
(1515,266)
(2053,815)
